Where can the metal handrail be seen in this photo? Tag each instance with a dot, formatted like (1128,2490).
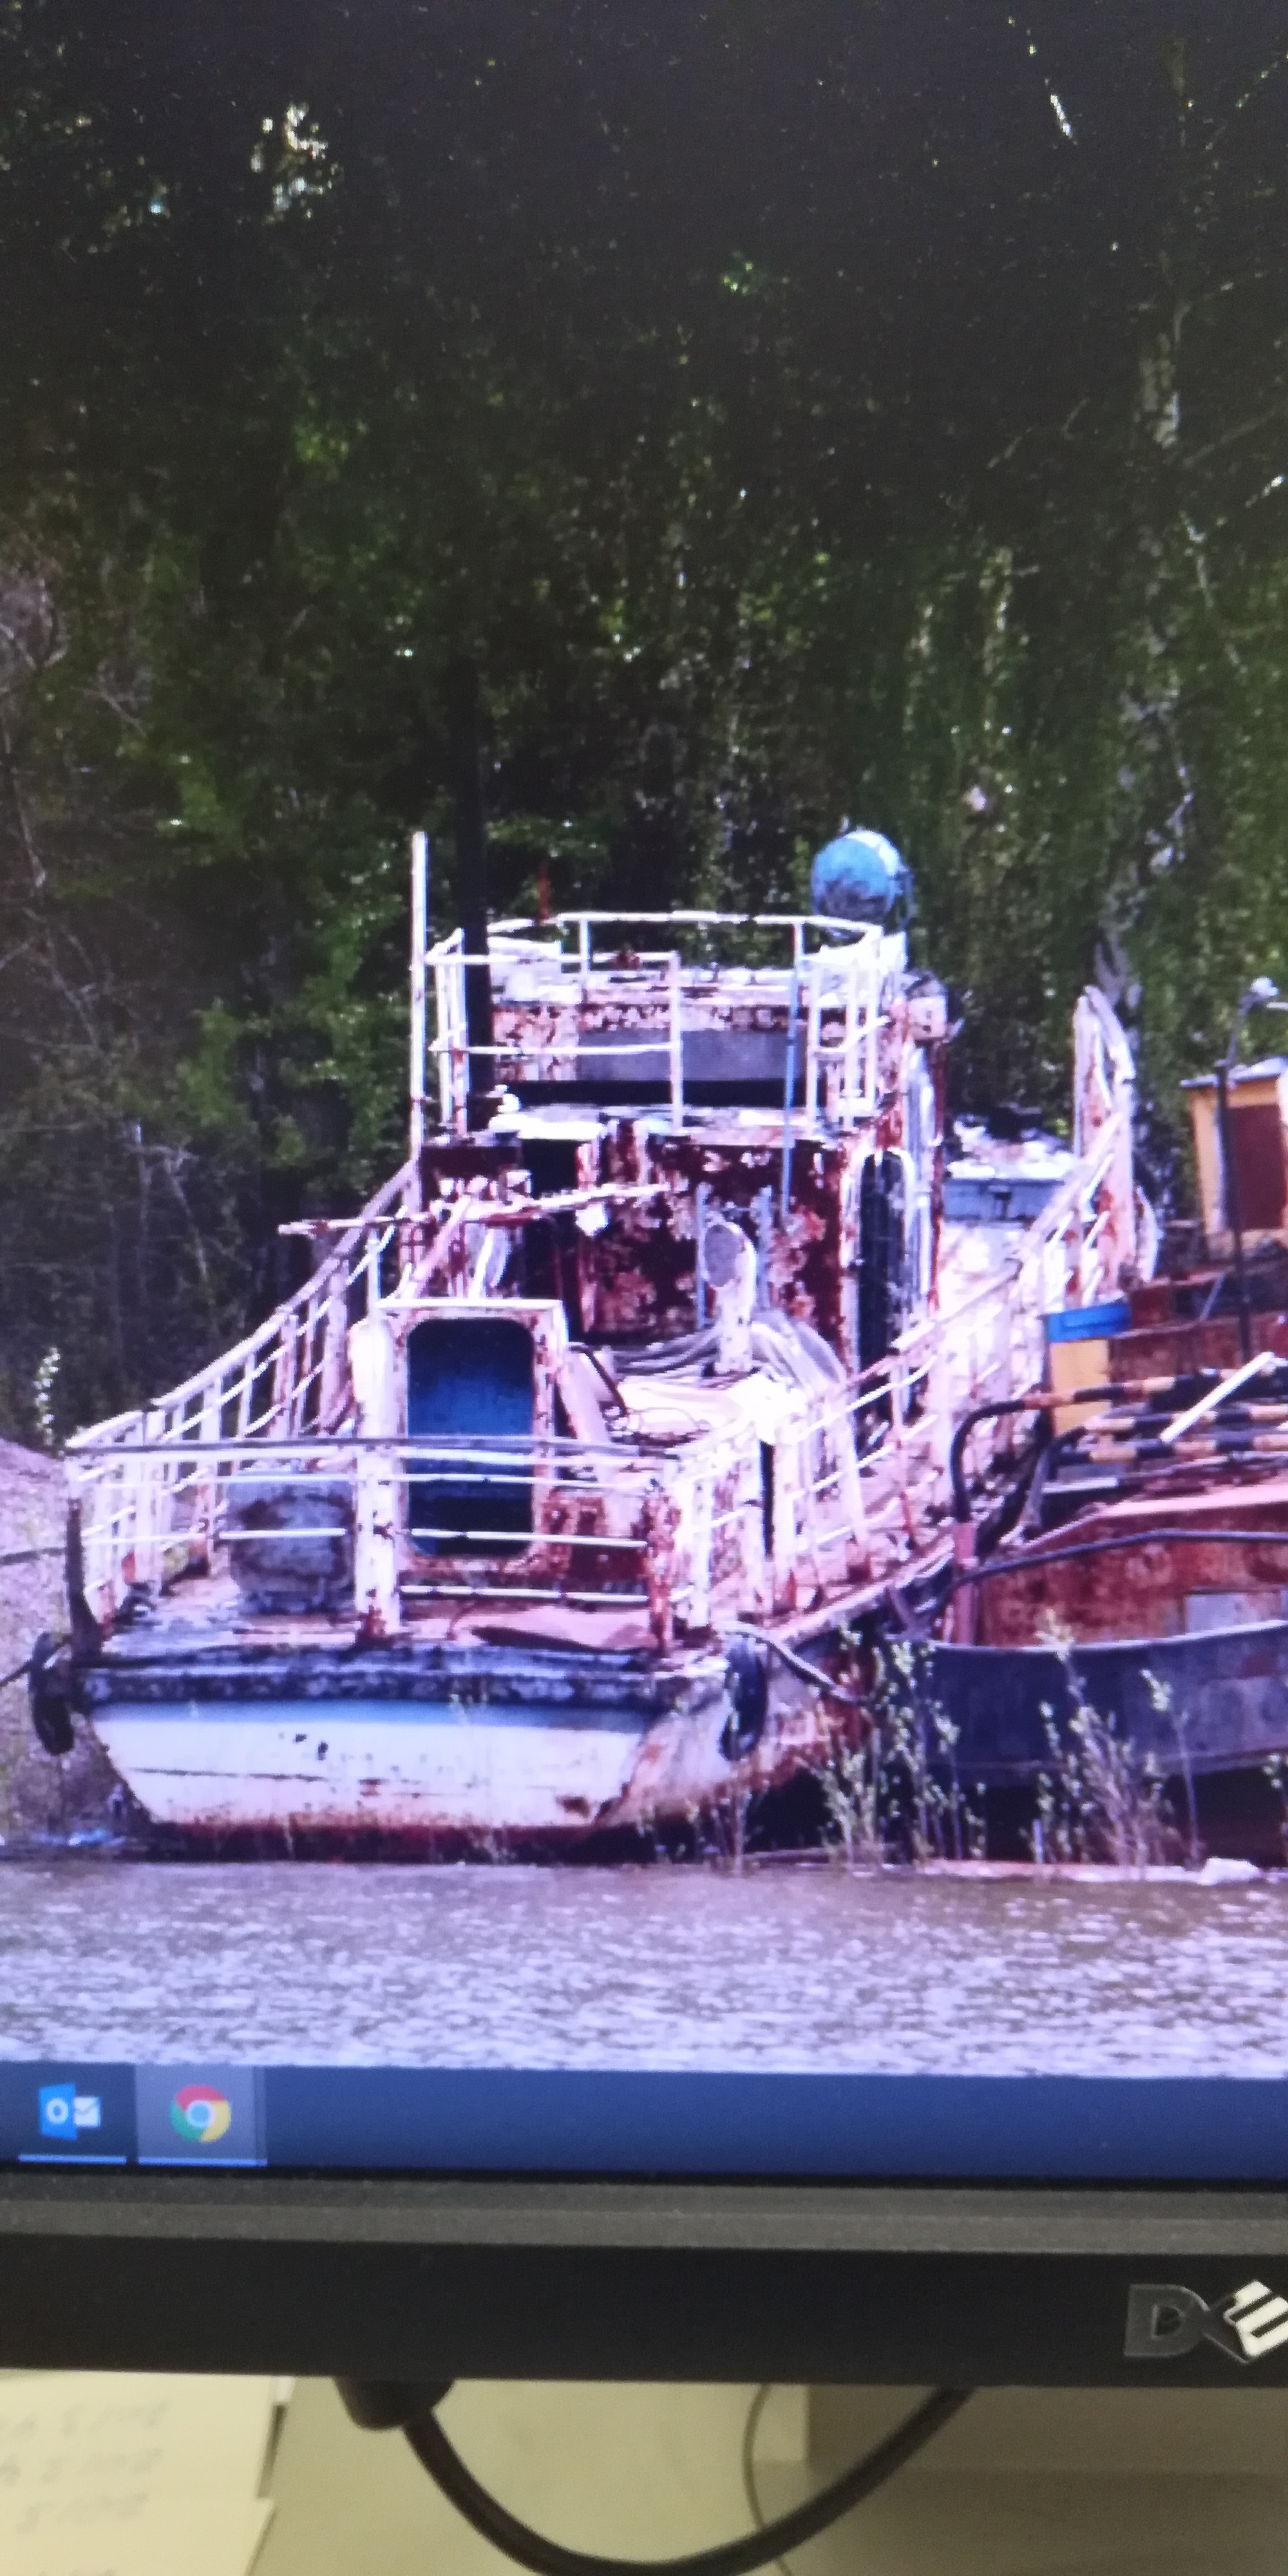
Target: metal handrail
(844,979)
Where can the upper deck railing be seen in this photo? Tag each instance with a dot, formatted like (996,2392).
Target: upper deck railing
(568,1000)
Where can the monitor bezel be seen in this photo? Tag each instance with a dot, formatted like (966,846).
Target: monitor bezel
(432,2278)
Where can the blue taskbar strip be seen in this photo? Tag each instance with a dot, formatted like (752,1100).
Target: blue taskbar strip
(226,2164)
(57,2156)
(1003,2128)
(618,2122)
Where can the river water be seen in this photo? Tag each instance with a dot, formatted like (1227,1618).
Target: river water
(668,1966)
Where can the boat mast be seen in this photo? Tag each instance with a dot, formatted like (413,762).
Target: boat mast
(419,945)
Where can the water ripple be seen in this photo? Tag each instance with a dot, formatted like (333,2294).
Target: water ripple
(663,1967)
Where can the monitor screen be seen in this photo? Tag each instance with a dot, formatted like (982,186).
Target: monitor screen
(644,1167)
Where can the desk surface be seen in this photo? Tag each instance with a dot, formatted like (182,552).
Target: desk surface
(1193,2482)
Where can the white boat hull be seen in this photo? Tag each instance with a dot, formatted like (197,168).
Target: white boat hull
(410,1770)
(441,1774)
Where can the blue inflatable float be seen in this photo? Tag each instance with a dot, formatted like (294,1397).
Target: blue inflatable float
(861,877)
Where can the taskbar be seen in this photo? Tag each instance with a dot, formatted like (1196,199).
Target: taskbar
(619,2121)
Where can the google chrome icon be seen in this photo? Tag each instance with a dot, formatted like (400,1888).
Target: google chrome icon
(200,2114)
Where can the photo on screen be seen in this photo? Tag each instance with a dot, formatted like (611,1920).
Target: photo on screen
(643,1143)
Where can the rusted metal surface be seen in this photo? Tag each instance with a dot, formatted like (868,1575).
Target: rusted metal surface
(1176,1349)
(643,1278)
(1150,1590)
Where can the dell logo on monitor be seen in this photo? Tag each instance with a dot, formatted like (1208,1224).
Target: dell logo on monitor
(1164,2321)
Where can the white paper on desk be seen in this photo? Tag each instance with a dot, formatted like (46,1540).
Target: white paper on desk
(168,2430)
(208,2540)
(112,2472)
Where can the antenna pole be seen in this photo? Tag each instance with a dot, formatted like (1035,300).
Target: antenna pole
(419,944)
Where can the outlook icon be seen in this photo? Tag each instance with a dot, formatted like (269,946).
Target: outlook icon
(64,2112)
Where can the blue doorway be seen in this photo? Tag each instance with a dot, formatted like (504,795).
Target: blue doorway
(469,1383)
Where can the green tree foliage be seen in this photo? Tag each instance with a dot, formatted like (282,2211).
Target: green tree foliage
(860,410)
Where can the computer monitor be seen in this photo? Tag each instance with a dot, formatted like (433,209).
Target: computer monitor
(644,1332)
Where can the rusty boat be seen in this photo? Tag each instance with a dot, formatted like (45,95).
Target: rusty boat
(1108,1658)
(538,1519)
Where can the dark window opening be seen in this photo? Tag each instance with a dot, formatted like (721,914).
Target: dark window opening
(767,1495)
(1257,1141)
(470,1386)
(551,1163)
(605,1092)
(550,1259)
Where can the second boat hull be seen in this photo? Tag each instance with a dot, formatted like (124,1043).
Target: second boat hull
(1214,1701)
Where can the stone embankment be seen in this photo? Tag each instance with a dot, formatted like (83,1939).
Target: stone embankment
(41,1800)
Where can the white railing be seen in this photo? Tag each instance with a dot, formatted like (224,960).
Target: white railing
(286,1379)
(991,1345)
(686,1535)
(692,1533)
(151,1511)
(572,994)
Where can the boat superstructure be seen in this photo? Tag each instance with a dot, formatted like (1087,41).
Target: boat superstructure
(532,1515)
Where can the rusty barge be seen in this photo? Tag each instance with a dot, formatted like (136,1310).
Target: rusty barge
(1109,1657)
(533,1518)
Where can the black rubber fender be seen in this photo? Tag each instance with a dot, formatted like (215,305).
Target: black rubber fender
(49,1693)
(747,1691)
